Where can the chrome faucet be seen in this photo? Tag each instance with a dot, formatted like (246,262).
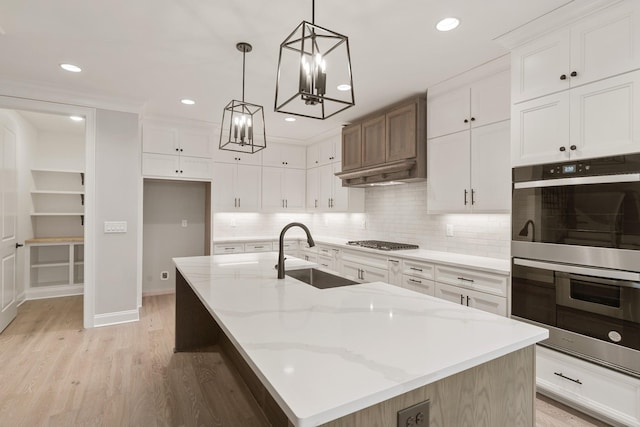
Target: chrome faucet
(281,257)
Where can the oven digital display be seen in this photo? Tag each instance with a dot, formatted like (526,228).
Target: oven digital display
(568,168)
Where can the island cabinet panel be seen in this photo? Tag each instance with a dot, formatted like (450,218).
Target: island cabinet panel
(506,400)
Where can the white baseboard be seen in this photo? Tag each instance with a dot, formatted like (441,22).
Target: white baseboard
(53,291)
(115,318)
(22,298)
(156,293)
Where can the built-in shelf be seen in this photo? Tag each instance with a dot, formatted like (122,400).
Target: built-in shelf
(57,192)
(51,264)
(57,213)
(56,266)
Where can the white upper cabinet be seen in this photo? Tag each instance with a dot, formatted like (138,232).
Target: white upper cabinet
(226,156)
(594,120)
(598,46)
(236,187)
(325,152)
(284,155)
(178,140)
(482,102)
(283,189)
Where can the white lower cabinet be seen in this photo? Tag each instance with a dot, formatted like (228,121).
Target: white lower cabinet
(329,258)
(364,267)
(424,286)
(258,247)
(228,248)
(599,391)
(478,289)
(55,267)
(418,276)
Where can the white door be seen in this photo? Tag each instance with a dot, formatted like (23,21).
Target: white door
(224,195)
(312,189)
(448,169)
(448,112)
(294,186)
(272,195)
(249,187)
(491,168)
(8,226)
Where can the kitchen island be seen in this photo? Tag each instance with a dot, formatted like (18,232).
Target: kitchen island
(355,355)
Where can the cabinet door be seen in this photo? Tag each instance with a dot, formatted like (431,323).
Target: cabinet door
(537,67)
(448,167)
(491,99)
(159,140)
(352,147)
(248,187)
(195,144)
(312,189)
(223,187)
(485,302)
(540,129)
(606,44)
(373,141)
(395,272)
(313,151)
(491,168)
(165,165)
(294,186)
(450,293)
(328,152)
(195,167)
(447,112)
(272,188)
(373,274)
(325,186)
(295,156)
(605,117)
(272,155)
(351,271)
(401,133)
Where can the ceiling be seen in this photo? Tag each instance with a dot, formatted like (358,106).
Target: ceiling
(153,53)
(44,122)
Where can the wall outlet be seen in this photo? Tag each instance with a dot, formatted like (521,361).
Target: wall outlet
(416,415)
(184,223)
(449,230)
(164,275)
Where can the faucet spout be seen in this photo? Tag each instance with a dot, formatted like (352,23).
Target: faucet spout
(281,257)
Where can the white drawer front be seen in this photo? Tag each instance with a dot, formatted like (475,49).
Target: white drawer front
(418,269)
(289,246)
(231,248)
(495,284)
(481,301)
(591,386)
(424,286)
(258,247)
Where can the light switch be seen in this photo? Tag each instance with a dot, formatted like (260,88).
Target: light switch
(115,227)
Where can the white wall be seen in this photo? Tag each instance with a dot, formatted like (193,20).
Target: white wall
(117,178)
(166,205)
(51,145)
(394,213)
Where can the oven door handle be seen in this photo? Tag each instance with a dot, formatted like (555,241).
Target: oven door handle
(601,179)
(603,281)
(575,269)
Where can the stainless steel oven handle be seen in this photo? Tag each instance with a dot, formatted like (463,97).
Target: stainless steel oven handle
(602,281)
(601,179)
(587,271)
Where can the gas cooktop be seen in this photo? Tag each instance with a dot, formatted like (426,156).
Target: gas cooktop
(381,245)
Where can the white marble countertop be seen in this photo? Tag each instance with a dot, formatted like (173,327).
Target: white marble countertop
(324,353)
(491,265)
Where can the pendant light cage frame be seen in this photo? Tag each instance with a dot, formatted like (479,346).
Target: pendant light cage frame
(307,98)
(243,128)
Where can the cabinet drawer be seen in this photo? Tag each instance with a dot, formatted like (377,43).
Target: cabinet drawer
(258,247)
(230,248)
(593,387)
(495,284)
(418,269)
(289,246)
(424,286)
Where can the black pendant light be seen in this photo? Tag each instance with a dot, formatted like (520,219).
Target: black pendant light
(314,72)
(242,122)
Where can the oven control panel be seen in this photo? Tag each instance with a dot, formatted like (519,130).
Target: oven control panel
(629,163)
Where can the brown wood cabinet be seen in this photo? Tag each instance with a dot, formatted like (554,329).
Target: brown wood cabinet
(387,145)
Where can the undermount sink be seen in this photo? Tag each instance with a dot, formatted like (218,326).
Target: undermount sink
(318,278)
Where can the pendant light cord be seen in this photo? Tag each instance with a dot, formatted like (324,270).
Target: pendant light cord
(244,53)
(313,11)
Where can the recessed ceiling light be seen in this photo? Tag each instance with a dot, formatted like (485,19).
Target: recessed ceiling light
(188,101)
(344,87)
(76,118)
(290,119)
(447,24)
(70,67)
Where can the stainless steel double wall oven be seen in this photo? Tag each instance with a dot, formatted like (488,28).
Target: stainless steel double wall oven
(576,256)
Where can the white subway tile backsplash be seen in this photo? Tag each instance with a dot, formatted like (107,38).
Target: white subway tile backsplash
(395,213)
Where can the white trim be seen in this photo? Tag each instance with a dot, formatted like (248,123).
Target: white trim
(32,91)
(53,291)
(116,318)
(21,298)
(140,243)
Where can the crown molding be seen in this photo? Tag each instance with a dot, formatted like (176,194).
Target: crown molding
(38,92)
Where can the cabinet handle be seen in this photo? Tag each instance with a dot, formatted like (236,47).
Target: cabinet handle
(177,149)
(473,119)
(461,299)
(465,197)
(415,268)
(467,300)
(19,245)
(573,148)
(315,203)
(415,281)
(286,203)
(181,150)
(567,378)
(563,148)
(181,171)
(473,193)
(466,120)
(391,260)
(563,77)
(238,201)
(574,74)
(466,280)
(259,247)
(176,170)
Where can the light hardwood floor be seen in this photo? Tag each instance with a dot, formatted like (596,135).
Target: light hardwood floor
(54,373)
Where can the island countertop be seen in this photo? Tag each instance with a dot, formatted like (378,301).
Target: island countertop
(325,353)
